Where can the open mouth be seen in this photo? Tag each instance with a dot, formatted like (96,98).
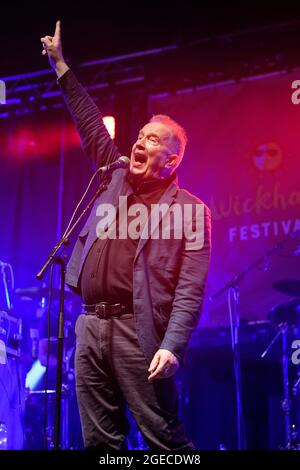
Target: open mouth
(140,158)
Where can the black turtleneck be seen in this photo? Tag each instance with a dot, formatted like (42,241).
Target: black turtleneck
(108,268)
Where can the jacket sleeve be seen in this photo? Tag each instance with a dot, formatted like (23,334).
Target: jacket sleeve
(95,139)
(189,294)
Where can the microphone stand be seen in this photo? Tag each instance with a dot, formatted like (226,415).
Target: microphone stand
(290,442)
(55,257)
(233,290)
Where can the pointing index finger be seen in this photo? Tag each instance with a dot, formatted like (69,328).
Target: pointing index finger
(57,30)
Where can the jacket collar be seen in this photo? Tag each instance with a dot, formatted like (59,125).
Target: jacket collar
(149,185)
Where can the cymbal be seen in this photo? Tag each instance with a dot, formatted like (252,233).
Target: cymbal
(37,293)
(288,286)
(288,312)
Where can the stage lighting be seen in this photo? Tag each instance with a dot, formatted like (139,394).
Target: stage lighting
(110,124)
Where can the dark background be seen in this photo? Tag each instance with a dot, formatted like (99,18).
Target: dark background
(101,29)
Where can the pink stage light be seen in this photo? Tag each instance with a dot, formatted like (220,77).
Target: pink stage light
(110,124)
(44,140)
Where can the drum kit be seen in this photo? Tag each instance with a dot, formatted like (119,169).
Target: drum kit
(41,399)
(24,334)
(286,318)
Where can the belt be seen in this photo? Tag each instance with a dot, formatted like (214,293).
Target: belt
(105,310)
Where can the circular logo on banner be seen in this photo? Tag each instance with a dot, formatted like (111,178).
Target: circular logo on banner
(267,156)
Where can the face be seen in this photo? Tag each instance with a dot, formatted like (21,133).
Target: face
(151,155)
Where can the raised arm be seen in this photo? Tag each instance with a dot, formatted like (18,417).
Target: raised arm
(95,139)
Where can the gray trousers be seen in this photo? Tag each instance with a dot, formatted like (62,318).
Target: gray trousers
(111,370)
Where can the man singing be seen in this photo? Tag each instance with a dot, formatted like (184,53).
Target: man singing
(142,292)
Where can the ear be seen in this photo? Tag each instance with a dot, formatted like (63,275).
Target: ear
(172,161)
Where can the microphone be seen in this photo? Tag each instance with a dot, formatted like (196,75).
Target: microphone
(122,162)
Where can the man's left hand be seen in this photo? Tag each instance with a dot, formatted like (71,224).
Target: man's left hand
(163,365)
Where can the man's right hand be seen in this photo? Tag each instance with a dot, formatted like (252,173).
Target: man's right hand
(53,48)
